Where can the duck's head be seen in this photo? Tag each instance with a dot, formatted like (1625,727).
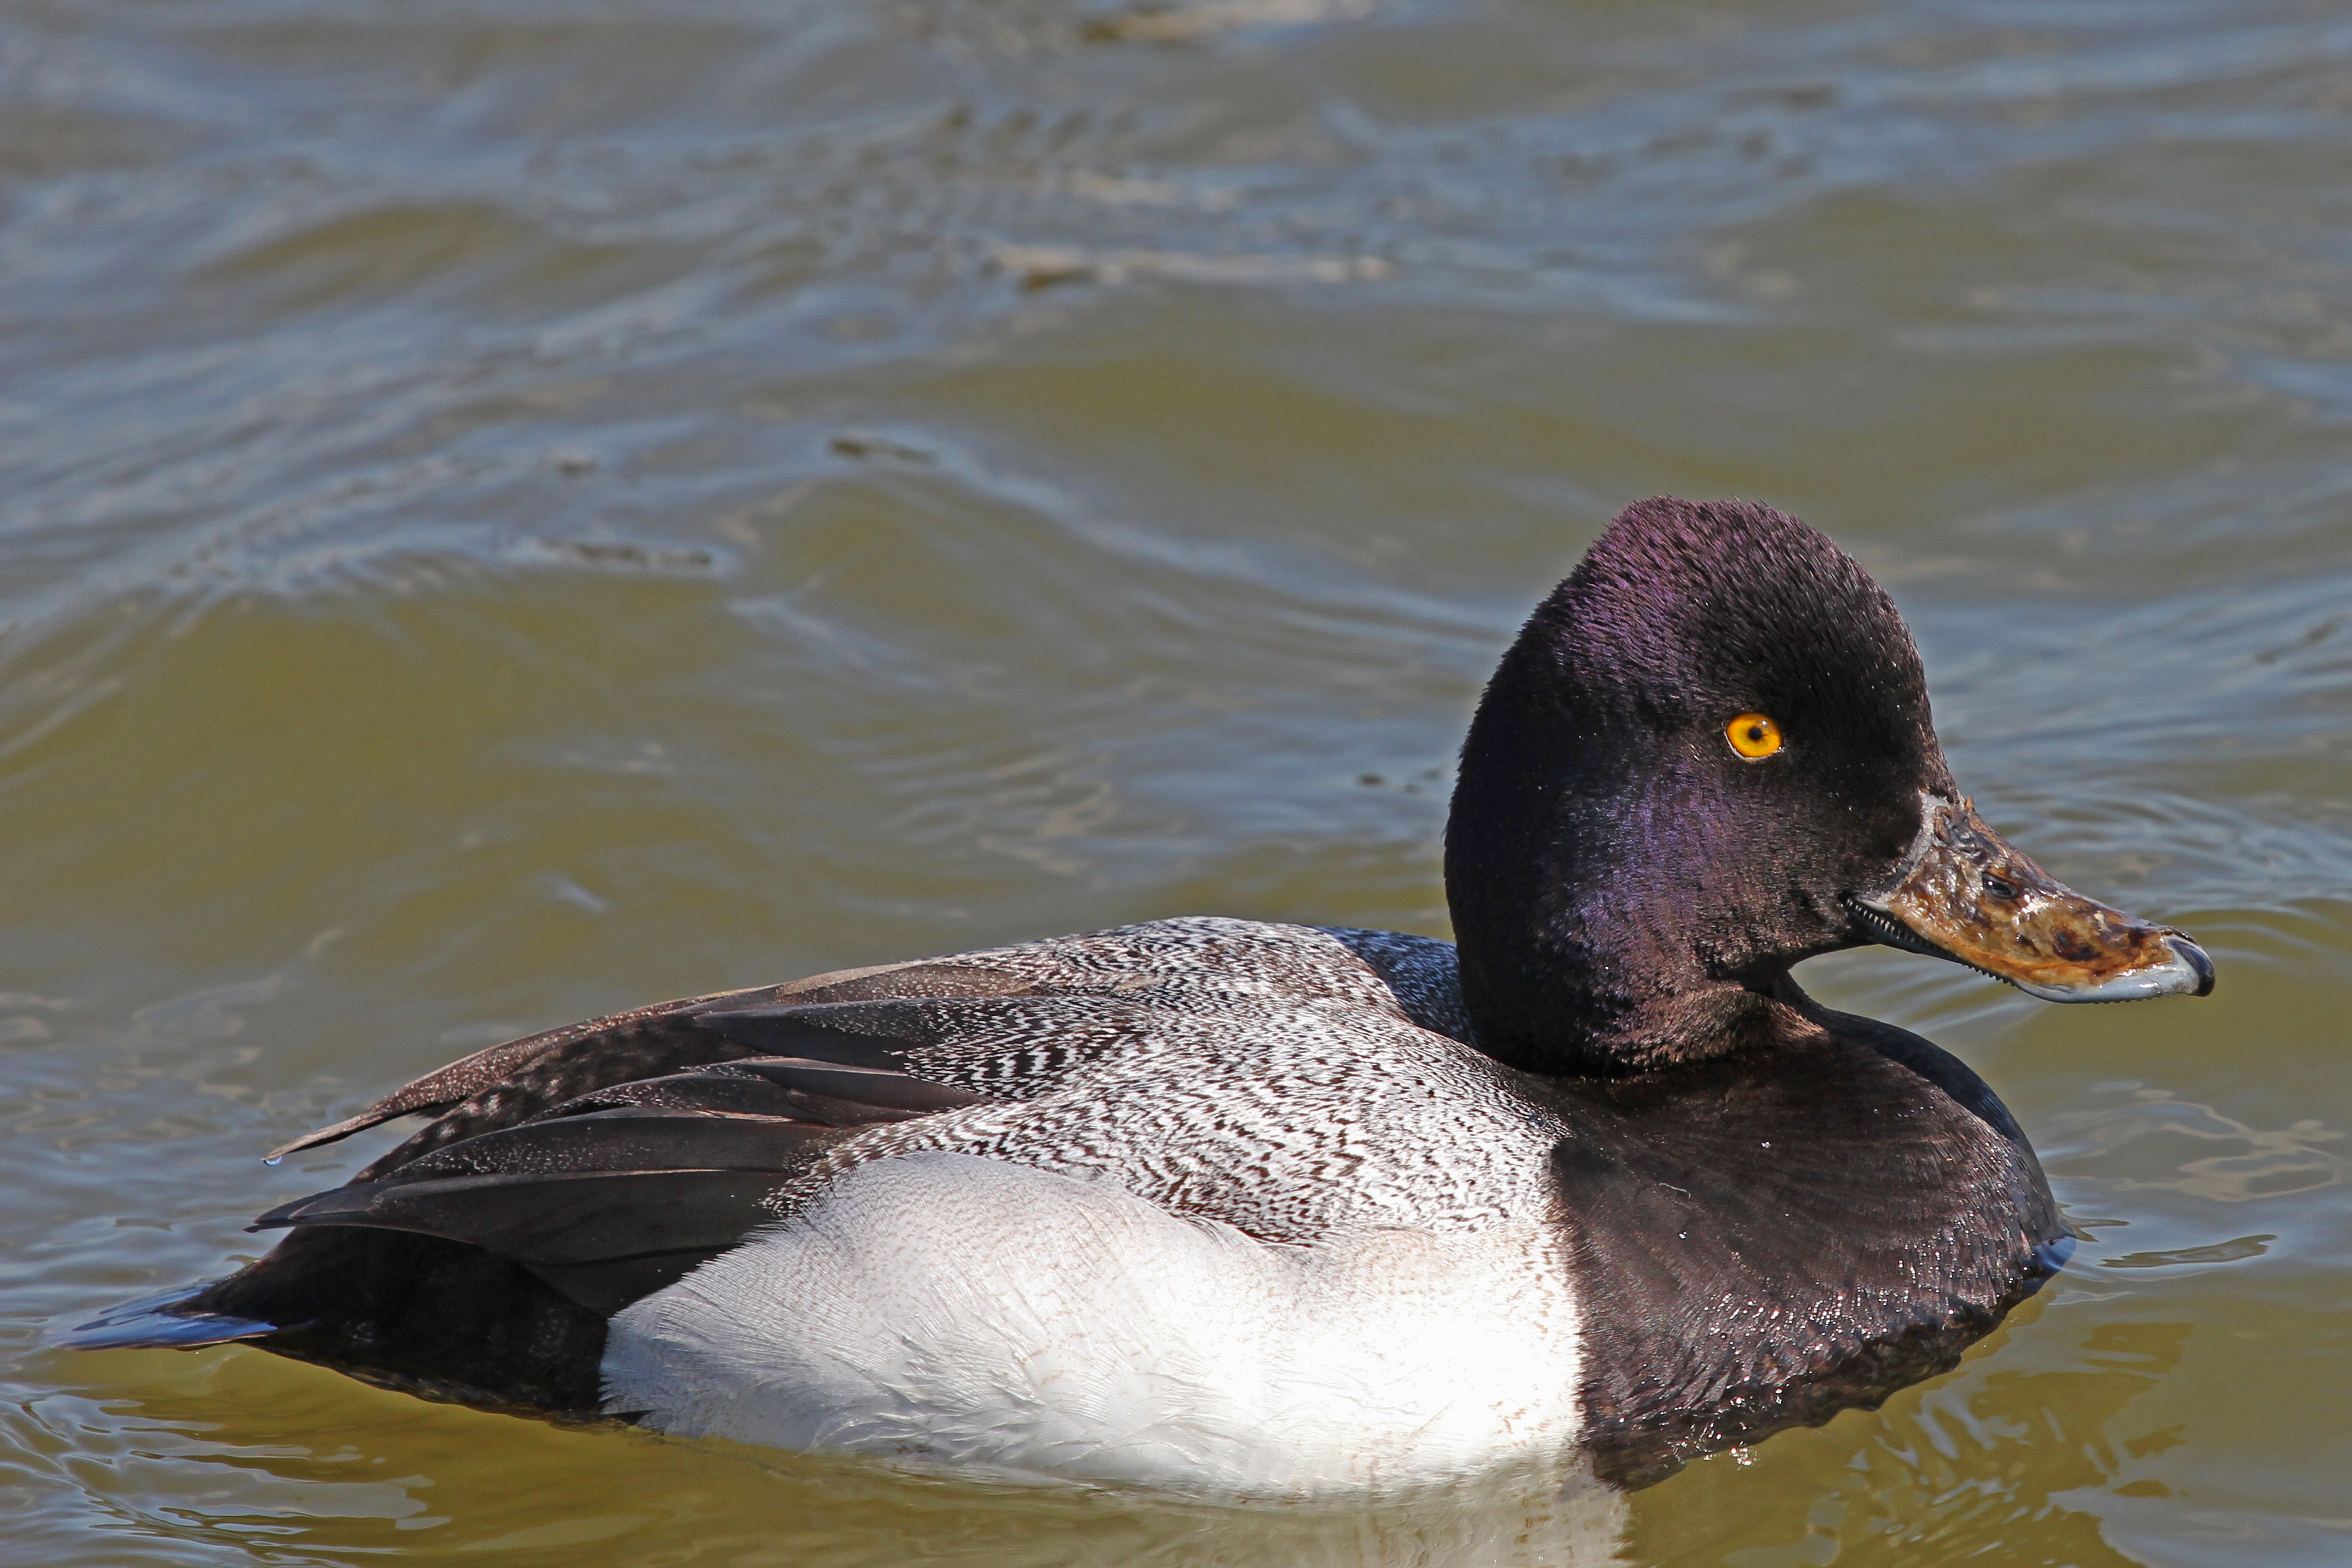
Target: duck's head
(1707,756)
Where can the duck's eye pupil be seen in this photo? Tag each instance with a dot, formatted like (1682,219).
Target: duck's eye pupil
(1753,735)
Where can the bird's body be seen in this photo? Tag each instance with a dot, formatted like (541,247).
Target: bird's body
(1246,1207)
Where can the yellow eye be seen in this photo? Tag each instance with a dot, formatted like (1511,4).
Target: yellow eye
(1753,736)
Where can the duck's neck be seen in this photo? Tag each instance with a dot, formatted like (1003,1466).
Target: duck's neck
(1574,900)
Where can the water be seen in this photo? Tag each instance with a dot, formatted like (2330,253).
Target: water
(513,509)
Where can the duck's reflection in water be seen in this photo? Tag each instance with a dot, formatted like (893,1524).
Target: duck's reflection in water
(205,1455)
(1527,1519)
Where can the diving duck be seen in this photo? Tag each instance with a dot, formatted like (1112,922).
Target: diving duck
(1231,1206)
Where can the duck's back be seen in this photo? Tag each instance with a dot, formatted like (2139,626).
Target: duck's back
(1202,1199)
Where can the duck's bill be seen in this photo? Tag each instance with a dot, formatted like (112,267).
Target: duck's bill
(1967,896)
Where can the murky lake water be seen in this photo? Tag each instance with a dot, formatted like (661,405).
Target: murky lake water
(510,509)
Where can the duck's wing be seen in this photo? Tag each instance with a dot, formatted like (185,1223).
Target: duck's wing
(842,1016)
(611,1158)
(1010,1019)
(625,1189)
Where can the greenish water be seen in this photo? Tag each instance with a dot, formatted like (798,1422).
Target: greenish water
(518,509)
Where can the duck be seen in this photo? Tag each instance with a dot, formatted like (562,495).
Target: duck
(1245,1207)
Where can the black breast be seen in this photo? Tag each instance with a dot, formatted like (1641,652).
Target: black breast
(1764,1241)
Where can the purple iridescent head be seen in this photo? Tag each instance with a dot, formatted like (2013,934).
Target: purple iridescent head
(1710,756)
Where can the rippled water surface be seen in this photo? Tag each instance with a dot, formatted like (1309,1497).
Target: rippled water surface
(514,508)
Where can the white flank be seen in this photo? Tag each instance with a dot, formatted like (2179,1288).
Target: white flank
(947,1308)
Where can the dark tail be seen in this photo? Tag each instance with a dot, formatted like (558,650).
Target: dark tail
(162,1321)
(419,1313)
